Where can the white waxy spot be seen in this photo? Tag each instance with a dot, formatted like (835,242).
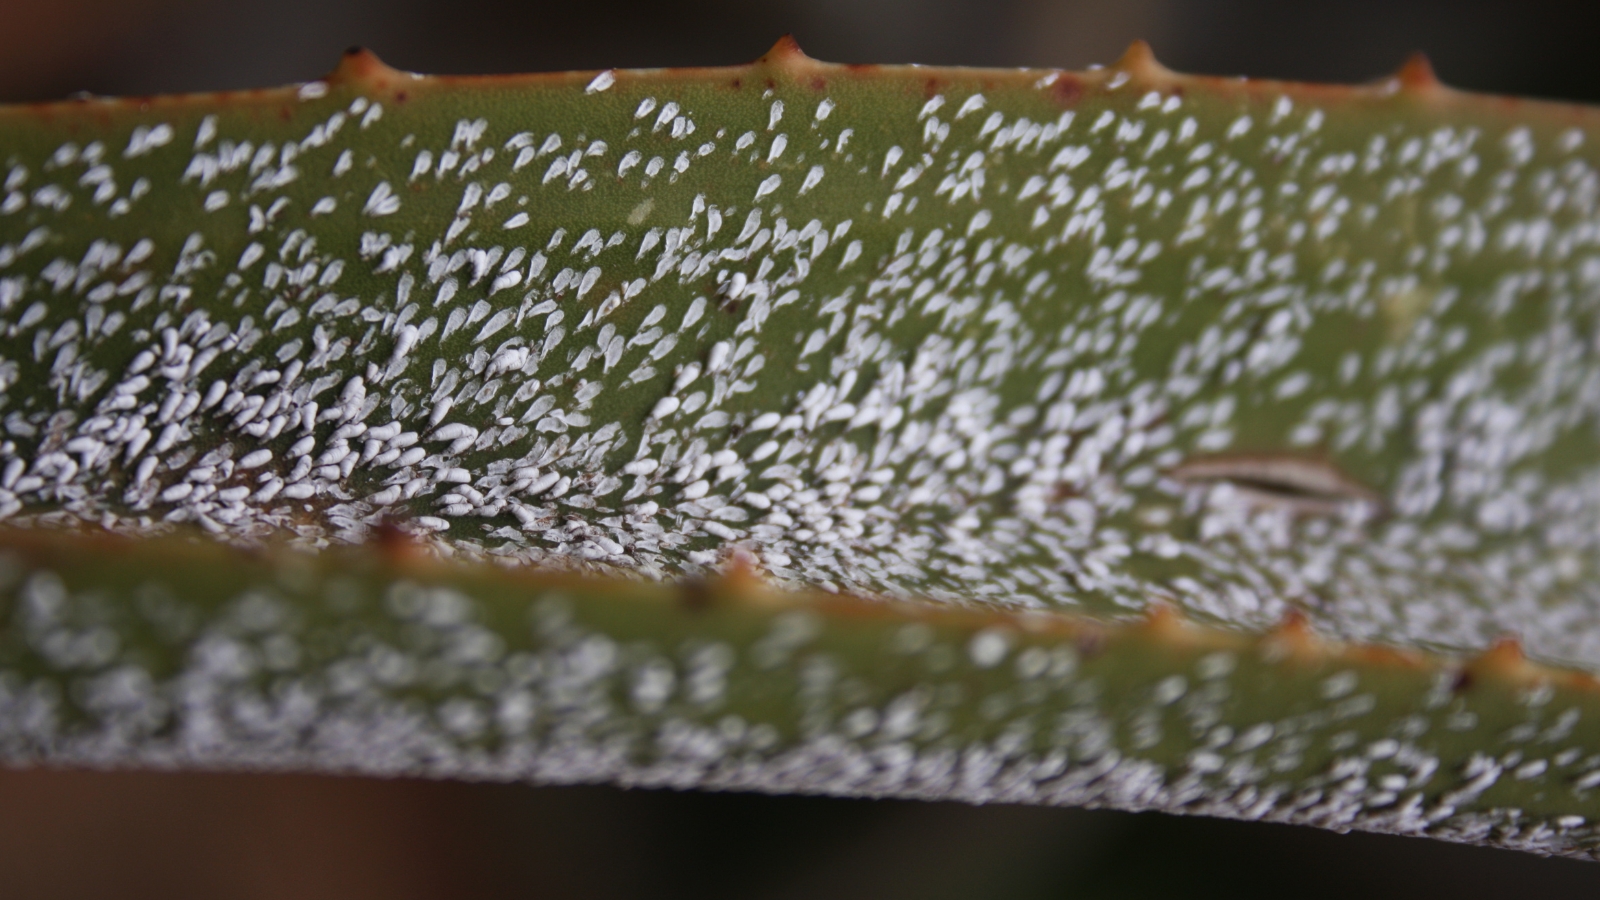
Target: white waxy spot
(1168,690)
(641,466)
(146,138)
(454,431)
(988,648)
(382,201)
(545,482)
(255,459)
(685,377)
(890,157)
(206,131)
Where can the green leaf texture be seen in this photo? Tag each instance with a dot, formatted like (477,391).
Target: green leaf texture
(1005,360)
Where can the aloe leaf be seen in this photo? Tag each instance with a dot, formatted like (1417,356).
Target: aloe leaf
(1115,438)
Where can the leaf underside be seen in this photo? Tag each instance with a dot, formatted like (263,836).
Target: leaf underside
(1117,438)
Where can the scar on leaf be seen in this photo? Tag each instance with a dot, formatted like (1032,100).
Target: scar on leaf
(1304,486)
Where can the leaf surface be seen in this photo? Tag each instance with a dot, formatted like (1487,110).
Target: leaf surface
(1170,441)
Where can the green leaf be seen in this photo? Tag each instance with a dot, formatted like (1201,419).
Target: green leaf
(1169,442)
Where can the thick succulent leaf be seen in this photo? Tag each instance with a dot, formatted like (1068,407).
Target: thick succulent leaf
(1013,356)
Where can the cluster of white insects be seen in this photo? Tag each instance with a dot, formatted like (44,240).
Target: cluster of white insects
(970,347)
(973,379)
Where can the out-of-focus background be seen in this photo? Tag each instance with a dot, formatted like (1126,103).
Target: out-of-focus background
(138,835)
(50,48)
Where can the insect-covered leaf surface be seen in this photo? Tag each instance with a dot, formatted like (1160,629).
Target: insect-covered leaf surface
(1025,353)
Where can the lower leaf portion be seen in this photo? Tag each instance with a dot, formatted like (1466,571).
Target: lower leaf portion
(383,660)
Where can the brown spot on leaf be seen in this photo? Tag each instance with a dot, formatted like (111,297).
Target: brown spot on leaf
(1066,90)
(1064,491)
(1303,485)
(694,594)
(1090,643)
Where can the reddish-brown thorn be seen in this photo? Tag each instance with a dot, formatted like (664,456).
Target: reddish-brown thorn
(741,573)
(1416,74)
(785,51)
(1140,61)
(1504,656)
(361,66)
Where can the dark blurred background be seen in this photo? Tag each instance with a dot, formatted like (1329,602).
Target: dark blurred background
(79,834)
(50,48)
